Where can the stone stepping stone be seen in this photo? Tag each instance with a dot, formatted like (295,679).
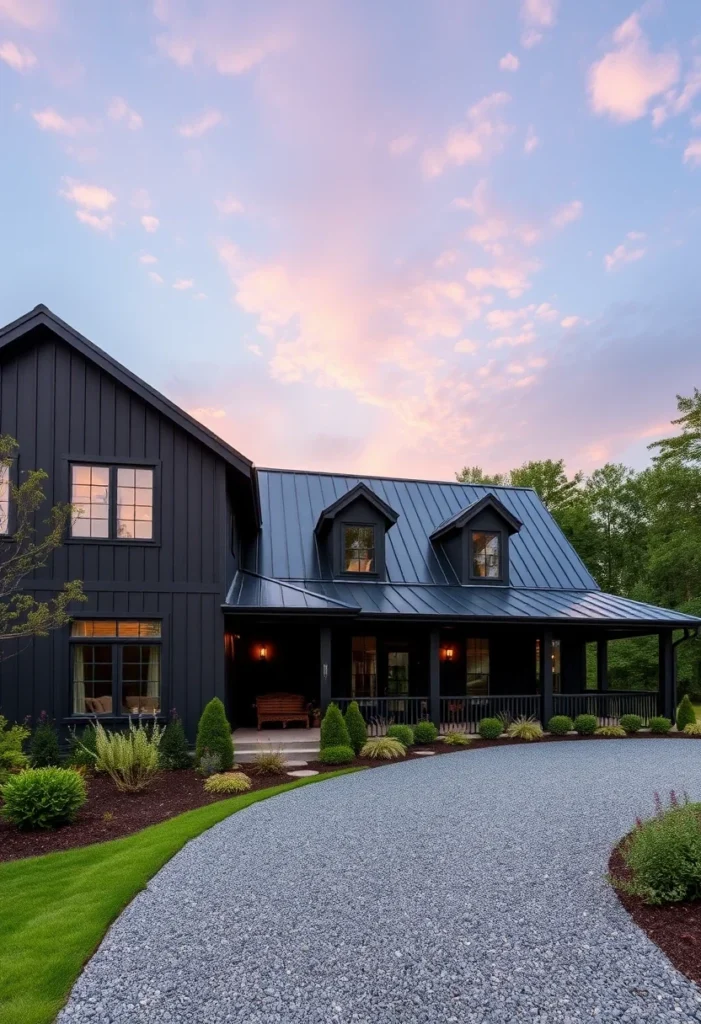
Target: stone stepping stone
(424,753)
(303,773)
(296,764)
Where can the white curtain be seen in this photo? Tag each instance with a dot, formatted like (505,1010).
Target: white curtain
(78,681)
(153,685)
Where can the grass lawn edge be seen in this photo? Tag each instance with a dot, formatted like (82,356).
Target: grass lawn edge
(56,908)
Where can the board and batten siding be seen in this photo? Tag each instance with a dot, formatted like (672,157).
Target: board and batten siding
(60,406)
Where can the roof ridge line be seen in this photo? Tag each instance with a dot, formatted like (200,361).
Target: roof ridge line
(395,479)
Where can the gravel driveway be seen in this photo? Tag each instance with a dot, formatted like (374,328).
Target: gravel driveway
(464,888)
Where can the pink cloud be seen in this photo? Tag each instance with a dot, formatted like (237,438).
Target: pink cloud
(89,197)
(149,223)
(201,125)
(627,252)
(19,58)
(692,153)
(567,214)
(536,15)
(481,136)
(229,205)
(29,14)
(103,223)
(118,110)
(49,120)
(509,62)
(531,142)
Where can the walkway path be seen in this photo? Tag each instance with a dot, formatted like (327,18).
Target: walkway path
(466,888)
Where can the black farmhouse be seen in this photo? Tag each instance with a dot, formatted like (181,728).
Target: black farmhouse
(206,576)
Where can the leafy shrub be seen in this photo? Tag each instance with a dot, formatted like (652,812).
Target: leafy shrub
(214,734)
(692,729)
(383,748)
(43,797)
(44,750)
(664,855)
(425,732)
(228,782)
(403,733)
(355,724)
(130,758)
(613,732)
(585,725)
(457,739)
(209,763)
(12,759)
(269,762)
(490,728)
(660,725)
(631,723)
(82,748)
(560,725)
(333,729)
(526,729)
(341,754)
(685,713)
(174,747)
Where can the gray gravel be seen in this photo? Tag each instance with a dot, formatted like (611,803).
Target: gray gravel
(466,888)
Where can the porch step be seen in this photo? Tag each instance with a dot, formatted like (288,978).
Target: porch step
(292,744)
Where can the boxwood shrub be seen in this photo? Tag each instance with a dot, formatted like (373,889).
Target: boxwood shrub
(342,754)
(425,732)
(560,725)
(585,725)
(660,725)
(631,723)
(403,733)
(214,734)
(490,728)
(43,797)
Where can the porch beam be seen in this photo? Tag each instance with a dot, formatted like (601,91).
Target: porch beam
(602,664)
(667,698)
(434,674)
(324,667)
(546,674)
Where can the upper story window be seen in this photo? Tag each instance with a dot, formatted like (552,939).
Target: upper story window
(359,549)
(4,499)
(486,555)
(97,513)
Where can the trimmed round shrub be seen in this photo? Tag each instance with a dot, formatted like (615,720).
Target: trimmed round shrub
(43,798)
(692,729)
(333,729)
(585,725)
(214,734)
(336,755)
(457,739)
(660,725)
(425,732)
(44,750)
(228,782)
(560,725)
(685,713)
(631,723)
(403,733)
(355,724)
(174,746)
(613,732)
(490,728)
(383,748)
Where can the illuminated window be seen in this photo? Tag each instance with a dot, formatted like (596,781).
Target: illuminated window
(4,499)
(477,659)
(118,673)
(364,667)
(486,555)
(135,503)
(90,497)
(359,548)
(112,502)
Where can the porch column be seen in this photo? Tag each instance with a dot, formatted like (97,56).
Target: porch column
(602,665)
(324,667)
(546,674)
(666,696)
(434,676)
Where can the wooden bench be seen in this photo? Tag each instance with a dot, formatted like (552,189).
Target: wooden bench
(282,707)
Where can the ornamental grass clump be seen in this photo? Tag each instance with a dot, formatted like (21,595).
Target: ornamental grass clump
(585,725)
(457,739)
(174,746)
(631,723)
(560,725)
(228,782)
(685,713)
(214,734)
(660,725)
(403,733)
(383,748)
(692,729)
(12,757)
(269,762)
(612,732)
(333,729)
(131,758)
(525,729)
(663,854)
(341,754)
(425,732)
(490,728)
(43,798)
(44,750)
(355,724)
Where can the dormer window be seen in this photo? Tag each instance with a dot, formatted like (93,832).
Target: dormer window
(486,555)
(358,548)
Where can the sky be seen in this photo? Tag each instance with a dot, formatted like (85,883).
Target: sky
(387,238)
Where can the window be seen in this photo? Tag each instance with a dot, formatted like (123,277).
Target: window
(359,548)
(486,555)
(118,673)
(397,672)
(364,667)
(4,499)
(555,662)
(98,515)
(477,660)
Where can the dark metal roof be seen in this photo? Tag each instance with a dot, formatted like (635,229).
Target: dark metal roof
(291,503)
(463,517)
(513,604)
(360,490)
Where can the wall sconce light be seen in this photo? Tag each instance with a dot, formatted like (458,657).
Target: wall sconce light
(263,652)
(448,653)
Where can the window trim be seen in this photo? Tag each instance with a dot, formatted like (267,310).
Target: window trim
(114,464)
(499,578)
(116,643)
(355,573)
(9,535)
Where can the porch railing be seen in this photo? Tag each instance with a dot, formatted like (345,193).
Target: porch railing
(607,706)
(463,714)
(381,712)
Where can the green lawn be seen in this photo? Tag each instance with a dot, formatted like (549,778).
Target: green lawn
(55,909)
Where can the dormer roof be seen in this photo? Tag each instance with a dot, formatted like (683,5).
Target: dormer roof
(463,516)
(360,490)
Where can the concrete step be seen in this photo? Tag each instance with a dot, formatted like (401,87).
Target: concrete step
(248,756)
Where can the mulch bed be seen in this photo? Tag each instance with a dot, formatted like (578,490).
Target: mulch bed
(675,928)
(109,814)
